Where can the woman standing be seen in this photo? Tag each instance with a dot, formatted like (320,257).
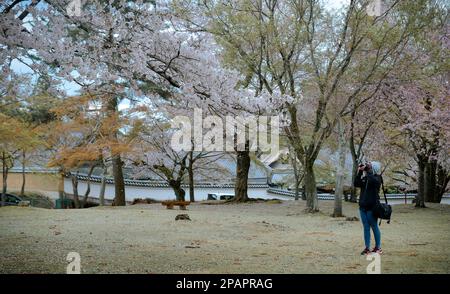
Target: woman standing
(369,180)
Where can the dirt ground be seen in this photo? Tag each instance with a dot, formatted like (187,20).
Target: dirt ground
(226,238)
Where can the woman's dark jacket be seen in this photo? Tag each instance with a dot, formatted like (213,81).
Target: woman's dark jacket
(370,187)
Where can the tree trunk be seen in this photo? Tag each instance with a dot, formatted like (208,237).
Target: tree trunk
(76,199)
(443,178)
(102,188)
(303,192)
(420,198)
(179,192)
(119,183)
(242,169)
(191,177)
(312,203)
(296,175)
(297,188)
(22,189)
(339,189)
(355,155)
(88,189)
(356,152)
(430,181)
(5,178)
(61,187)
(353,195)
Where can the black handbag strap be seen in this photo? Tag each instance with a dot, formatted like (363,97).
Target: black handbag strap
(382,187)
(367,183)
(385,198)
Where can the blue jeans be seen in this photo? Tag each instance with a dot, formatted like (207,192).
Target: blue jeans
(369,221)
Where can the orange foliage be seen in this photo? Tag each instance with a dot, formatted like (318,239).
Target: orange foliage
(85,132)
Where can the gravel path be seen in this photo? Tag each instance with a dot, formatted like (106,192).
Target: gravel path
(227,238)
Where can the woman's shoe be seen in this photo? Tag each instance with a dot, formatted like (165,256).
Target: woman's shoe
(377,250)
(365,251)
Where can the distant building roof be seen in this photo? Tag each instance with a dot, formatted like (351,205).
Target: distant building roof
(152,183)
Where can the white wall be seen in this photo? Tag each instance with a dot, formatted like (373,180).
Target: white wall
(161,193)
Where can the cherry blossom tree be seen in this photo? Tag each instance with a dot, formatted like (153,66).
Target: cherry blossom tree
(302,50)
(154,156)
(422,111)
(418,109)
(120,49)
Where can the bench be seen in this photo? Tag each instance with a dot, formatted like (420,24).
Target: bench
(171,203)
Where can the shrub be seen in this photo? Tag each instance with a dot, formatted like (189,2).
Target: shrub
(144,201)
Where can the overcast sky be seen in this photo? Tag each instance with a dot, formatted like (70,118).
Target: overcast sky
(335,4)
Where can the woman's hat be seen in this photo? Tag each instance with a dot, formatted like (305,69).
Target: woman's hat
(376,167)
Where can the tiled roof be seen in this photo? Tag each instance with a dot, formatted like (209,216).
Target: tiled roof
(146,183)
